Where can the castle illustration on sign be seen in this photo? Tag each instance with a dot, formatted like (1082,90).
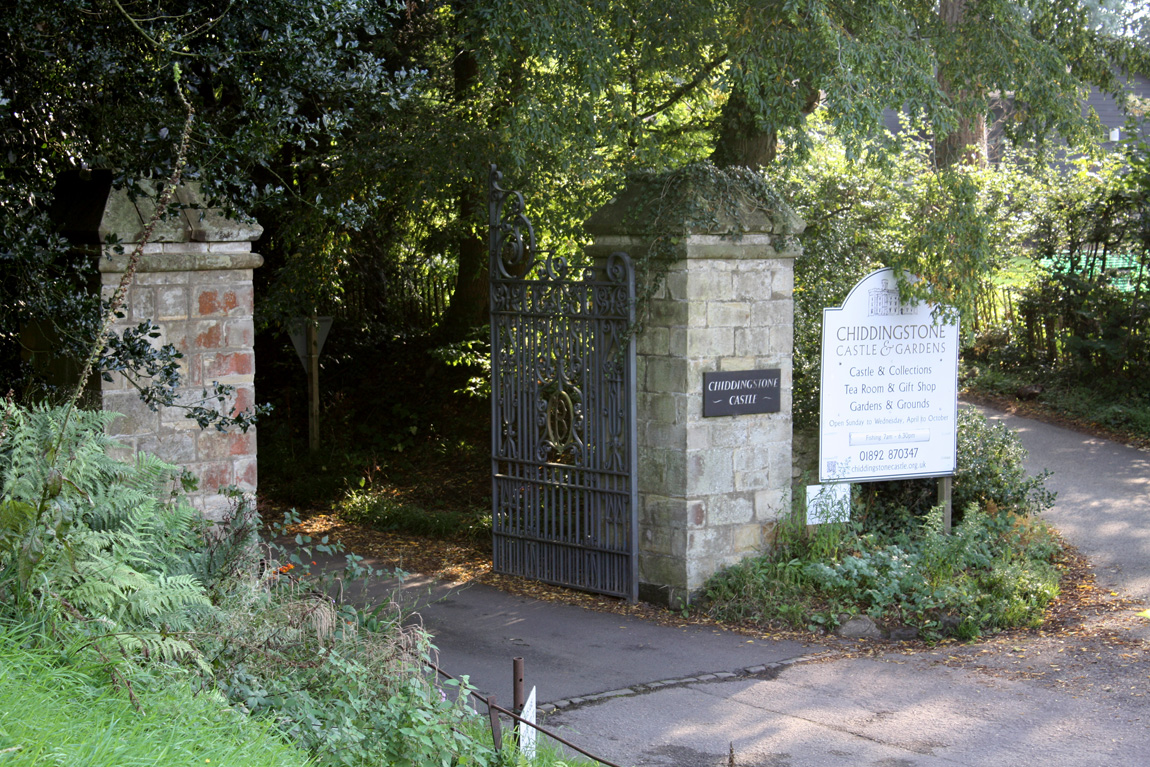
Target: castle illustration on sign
(884,302)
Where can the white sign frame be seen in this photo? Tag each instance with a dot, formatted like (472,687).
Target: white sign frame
(889,395)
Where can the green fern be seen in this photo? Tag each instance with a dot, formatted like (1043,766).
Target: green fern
(102,543)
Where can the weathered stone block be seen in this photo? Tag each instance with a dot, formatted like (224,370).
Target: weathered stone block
(126,453)
(783,341)
(176,446)
(246,474)
(731,509)
(184,247)
(240,333)
(660,406)
(136,418)
(772,504)
(772,313)
(652,341)
(243,399)
(665,572)
(675,282)
(666,374)
(213,445)
(171,303)
(669,434)
(668,314)
(651,473)
(753,479)
(710,342)
(227,365)
(663,540)
(698,438)
(212,505)
(748,540)
(751,458)
(141,304)
(756,342)
(753,285)
(214,475)
(728,314)
(208,335)
(766,429)
(726,432)
(709,472)
(783,283)
(709,285)
(659,508)
(216,302)
(697,513)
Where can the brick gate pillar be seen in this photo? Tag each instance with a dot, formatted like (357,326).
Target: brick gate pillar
(195,282)
(710,488)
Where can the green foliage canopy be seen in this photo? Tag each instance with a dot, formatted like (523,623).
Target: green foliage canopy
(359,131)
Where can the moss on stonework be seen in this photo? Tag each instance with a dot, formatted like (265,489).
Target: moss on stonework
(696,199)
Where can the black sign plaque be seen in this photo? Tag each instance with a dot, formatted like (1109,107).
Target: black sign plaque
(741,392)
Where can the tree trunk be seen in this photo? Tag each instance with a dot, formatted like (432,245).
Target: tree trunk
(468,307)
(967,144)
(741,141)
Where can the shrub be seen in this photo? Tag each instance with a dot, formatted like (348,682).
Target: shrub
(991,474)
(895,563)
(104,561)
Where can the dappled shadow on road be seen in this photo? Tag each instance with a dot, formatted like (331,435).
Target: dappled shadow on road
(1103,504)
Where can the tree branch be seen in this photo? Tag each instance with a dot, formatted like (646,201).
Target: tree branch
(685,89)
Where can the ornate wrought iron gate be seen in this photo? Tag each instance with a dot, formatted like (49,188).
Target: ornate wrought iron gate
(562,410)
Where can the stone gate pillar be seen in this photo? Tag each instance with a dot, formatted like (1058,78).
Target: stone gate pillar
(710,488)
(195,282)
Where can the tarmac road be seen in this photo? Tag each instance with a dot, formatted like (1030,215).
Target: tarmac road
(640,694)
(1103,504)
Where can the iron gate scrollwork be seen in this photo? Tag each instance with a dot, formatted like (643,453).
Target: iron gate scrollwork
(562,410)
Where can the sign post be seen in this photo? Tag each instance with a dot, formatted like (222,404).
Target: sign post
(307,335)
(889,406)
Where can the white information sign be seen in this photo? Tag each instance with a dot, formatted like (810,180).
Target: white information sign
(526,732)
(889,387)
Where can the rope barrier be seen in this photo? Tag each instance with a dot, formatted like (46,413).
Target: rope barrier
(494,707)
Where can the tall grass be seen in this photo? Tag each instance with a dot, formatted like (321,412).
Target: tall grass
(59,708)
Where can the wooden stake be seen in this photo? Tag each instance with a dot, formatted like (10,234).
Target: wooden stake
(944,500)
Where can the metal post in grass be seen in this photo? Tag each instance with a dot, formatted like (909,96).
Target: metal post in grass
(517,696)
(496,726)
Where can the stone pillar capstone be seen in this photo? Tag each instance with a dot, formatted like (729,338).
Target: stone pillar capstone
(710,488)
(194,281)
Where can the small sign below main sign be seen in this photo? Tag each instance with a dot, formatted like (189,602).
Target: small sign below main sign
(741,392)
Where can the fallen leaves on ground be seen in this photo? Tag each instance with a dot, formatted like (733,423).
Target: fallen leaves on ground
(1083,609)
